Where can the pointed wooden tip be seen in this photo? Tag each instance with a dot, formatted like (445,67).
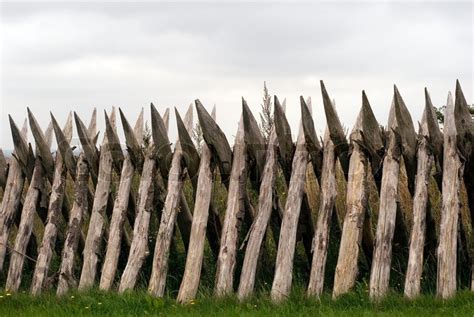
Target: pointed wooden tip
(133,145)
(138,128)
(283,132)
(311,138)
(191,155)
(188,119)
(255,143)
(166,119)
(113,143)
(21,147)
(88,144)
(92,129)
(216,140)
(213,113)
(42,145)
(161,141)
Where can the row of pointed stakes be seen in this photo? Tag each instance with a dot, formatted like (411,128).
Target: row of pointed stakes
(369,149)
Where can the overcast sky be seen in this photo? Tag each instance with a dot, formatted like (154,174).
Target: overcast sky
(75,56)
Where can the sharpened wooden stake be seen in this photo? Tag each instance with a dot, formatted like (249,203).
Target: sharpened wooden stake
(380,273)
(98,214)
(453,168)
(286,247)
(168,217)
(327,201)
(356,204)
(233,218)
(266,202)
(3,170)
(58,186)
(79,209)
(121,203)
(192,271)
(420,201)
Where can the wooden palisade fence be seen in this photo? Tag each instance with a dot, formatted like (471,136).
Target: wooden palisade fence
(104,218)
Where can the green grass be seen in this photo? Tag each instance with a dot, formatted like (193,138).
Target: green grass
(140,304)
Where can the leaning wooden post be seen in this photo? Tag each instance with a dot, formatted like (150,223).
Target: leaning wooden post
(357,195)
(99,206)
(12,192)
(380,273)
(286,151)
(429,129)
(192,162)
(326,206)
(139,246)
(133,160)
(233,217)
(465,143)
(86,164)
(79,208)
(168,217)
(266,203)
(25,228)
(54,213)
(286,247)
(192,271)
(453,168)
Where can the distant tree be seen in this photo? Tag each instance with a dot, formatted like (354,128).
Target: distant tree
(440,112)
(266,113)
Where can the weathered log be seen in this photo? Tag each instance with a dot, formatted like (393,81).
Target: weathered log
(192,271)
(192,163)
(420,204)
(139,246)
(286,246)
(453,167)
(12,194)
(327,201)
(146,192)
(79,209)
(216,141)
(36,187)
(266,203)
(168,217)
(286,152)
(52,222)
(98,214)
(233,217)
(121,203)
(363,148)
(380,272)
(465,143)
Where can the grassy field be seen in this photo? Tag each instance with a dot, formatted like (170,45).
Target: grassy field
(141,304)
